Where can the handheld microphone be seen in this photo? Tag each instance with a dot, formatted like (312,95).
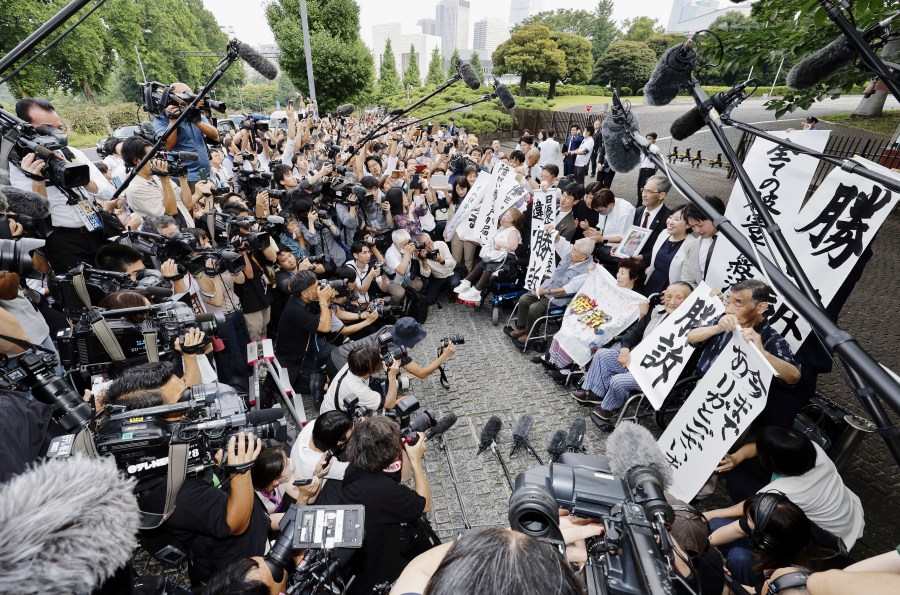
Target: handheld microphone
(22,202)
(442,425)
(520,432)
(836,55)
(504,95)
(722,102)
(557,445)
(575,437)
(671,73)
(489,434)
(617,130)
(256,61)
(468,75)
(344,110)
(78,516)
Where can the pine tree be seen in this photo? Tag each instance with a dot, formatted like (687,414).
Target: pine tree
(475,63)
(412,77)
(436,74)
(388,79)
(454,62)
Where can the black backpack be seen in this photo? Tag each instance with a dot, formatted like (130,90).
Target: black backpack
(416,305)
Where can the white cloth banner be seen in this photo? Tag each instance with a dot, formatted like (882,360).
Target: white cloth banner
(781,177)
(659,359)
(504,193)
(728,397)
(544,208)
(471,201)
(543,258)
(599,312)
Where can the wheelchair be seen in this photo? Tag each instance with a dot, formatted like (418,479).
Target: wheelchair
(539,334)
(507,283)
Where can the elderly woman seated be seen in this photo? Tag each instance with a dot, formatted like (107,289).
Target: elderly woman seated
(608,382)
(566,279)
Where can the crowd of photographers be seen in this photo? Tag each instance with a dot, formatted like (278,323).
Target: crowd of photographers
(334,249)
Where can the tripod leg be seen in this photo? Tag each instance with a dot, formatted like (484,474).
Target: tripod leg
(298,418)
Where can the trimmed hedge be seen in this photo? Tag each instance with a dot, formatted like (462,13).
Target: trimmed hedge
(542,89)
(89,119)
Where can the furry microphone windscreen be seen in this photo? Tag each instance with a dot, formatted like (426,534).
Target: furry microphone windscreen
(670,74)
(256,61)
(622,152)
(557,444)
(66,526)
(23,202)
(631,445)
(819,65)
(489,433)
(523,426)
(687,124)
(575,437)
(469,76)
(442,425)
(505,96)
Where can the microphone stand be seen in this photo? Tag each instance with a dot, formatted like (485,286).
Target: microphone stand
(862,367)
(231,56)
(867,57)
(502,464)
(392,119)
(847,165)
(444,447)
(523,441)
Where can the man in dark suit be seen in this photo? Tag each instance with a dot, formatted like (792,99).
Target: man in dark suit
(573,141)
(565,219)
(653,213)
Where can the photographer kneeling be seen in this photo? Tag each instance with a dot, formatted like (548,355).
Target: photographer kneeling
(352,380)
(437,267)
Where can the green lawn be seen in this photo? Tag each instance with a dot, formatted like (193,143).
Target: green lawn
(887,124)
(84,141)
(567,101)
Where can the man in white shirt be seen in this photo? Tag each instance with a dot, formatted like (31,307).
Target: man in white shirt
(550,151)
(616,215)
(363,362)
(583,155)
(437,269)
(648,168)
(398,263)
(328,432)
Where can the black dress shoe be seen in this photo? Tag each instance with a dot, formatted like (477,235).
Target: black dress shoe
(558,375)
(586,397)
(605,425)
(538,359)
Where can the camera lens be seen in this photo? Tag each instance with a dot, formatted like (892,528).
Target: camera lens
(15,255)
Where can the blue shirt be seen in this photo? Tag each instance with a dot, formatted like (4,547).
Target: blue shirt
(771,340)
(190,138)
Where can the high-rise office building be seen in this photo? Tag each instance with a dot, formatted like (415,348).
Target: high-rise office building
(400,44)
(693,15)
(519,10)
(452,18)
(380,35)
(489,33)
(428,26)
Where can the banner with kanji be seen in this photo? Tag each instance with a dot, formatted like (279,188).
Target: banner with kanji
(544,207)
(781,177)
(660,358)
(472,201)
(728,397)
(599,312)
(543,258)
(505,192)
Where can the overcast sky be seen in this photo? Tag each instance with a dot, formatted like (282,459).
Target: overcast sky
(249,20)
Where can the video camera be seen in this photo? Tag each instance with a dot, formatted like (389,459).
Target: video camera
(157,97)
(175,162)
(44,142)
(255,122)
(16,255)
(633,557)
(68,289)
(268,227)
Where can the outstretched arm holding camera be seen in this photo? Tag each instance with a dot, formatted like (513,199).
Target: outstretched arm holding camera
(422,373)
(415,453)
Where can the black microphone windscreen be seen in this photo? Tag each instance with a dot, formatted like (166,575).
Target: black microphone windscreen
(442,425)
(819,65)
(397,112)
(66,526)
(687,124)
(622,152)
(575,437)
(489,433)
(469,76)
(205,317)
(23,202)
(669,75)
(160,292)
(557,444)
(256,61)
(186,156)
(505,96)
(631,445)
(345,110)
(523,426)
(264,416)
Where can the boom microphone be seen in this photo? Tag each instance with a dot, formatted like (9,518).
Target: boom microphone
(344,110)
(503,94)
(489,434)
(256,61)
(22,202)
(575,437)
(622,154)
(722,103)
(672,72)
(178,155)
(687,124)
(251,418)
(557,445)
(76,516)
(469,76)
(631,445)
(442,425)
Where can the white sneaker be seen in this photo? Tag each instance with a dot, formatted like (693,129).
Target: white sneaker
(473,295)
(463,286)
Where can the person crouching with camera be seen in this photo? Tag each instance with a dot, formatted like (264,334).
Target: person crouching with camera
(352,380)
(395,529)
(437,266)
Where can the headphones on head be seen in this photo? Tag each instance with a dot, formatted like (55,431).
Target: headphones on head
(765,507)
(789,580)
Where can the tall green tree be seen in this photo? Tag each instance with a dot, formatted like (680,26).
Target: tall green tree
(454,62)
(342,65)
(579,22)
(532,54)
(475,63)
(625,63)
(660,43)
(412,77)
(388,79)
(605,30)
(436,74)
(578,63)
(640,28)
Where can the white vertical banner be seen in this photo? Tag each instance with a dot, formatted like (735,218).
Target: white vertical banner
(498,194)
(660,358)
(598,313)
(728,397)
(544,207)
(543,258)
(782,178)
(472,200)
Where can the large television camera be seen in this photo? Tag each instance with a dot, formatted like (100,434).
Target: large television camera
(157,97)
(43,141)
(71,289)
(634,556)
(90,347)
